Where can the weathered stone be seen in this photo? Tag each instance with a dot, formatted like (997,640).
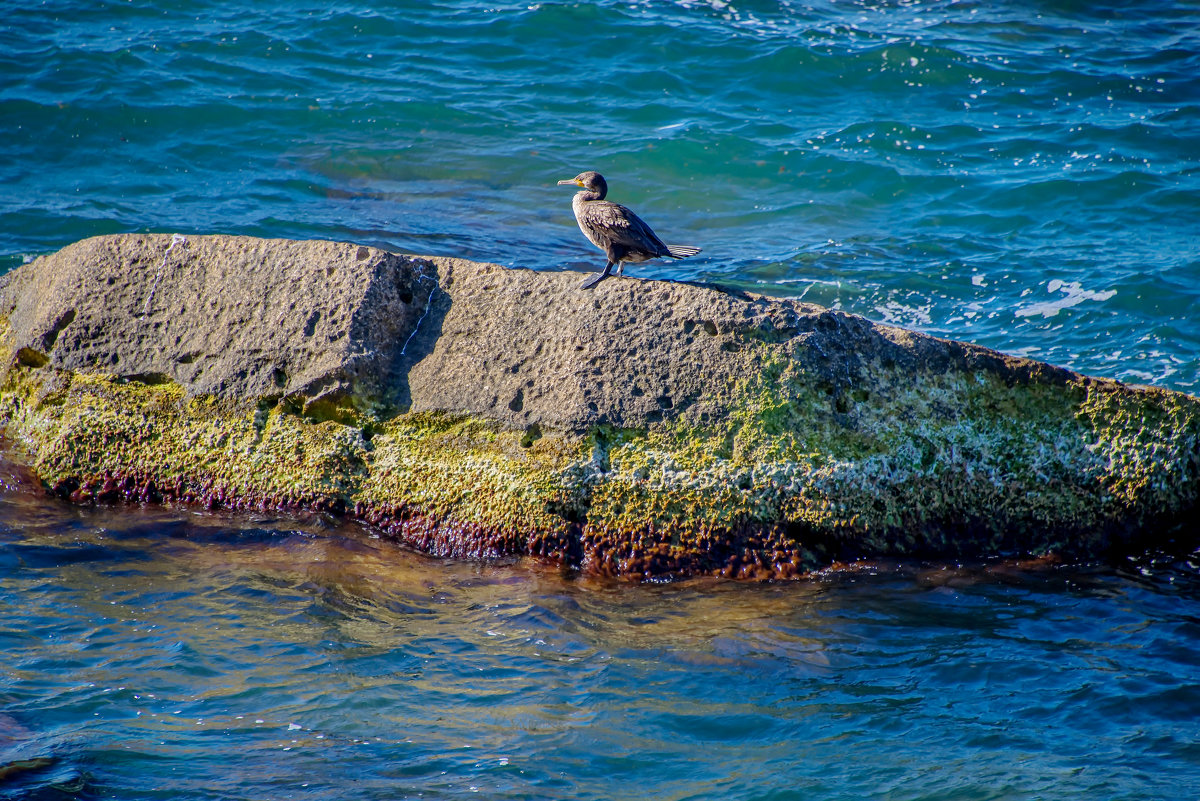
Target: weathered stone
(642,428)
(234,317)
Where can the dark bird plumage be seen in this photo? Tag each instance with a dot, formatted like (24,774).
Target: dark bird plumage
(621,234)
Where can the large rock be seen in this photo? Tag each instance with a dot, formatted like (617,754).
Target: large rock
(640,428)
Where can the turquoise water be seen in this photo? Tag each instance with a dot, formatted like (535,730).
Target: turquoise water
(1021,175)
(1024,175)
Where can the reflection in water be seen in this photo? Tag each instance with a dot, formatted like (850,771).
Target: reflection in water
(171,651)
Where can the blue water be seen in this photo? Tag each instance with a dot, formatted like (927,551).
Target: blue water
(155,654)
(1024,175)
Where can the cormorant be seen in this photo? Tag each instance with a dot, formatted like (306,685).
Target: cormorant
(616,230)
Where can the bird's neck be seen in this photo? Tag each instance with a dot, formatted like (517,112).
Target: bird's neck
(589,194)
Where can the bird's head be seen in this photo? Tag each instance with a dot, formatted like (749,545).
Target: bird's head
(590,181)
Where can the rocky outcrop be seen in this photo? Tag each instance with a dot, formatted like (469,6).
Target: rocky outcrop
(642,428)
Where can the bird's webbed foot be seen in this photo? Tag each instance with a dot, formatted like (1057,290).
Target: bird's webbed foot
(598,277)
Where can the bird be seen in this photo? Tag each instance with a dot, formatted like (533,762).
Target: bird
(621,234)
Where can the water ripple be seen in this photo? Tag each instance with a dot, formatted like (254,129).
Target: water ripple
(324,660)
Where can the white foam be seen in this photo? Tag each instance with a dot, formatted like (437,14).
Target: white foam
(895,313)
(1073,295)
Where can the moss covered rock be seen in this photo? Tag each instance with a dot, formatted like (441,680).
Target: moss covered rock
(643,428)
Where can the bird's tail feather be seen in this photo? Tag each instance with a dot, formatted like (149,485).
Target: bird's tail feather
(682,251)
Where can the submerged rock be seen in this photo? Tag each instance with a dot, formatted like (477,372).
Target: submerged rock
(645,428)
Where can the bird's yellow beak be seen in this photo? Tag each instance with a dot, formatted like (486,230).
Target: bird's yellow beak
(570,181)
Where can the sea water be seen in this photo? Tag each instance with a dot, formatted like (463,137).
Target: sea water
(175,654)
(1025,176)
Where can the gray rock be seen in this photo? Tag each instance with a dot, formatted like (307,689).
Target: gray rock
(238,317)
(228,316)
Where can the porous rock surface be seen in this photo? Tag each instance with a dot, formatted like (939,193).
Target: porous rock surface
(641,428)
(229,316)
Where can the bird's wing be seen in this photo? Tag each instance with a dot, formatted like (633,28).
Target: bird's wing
(621,226)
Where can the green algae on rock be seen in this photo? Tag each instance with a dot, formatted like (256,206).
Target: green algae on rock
(648,429)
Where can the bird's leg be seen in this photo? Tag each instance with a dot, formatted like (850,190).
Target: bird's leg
(595,279)
(620,267)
